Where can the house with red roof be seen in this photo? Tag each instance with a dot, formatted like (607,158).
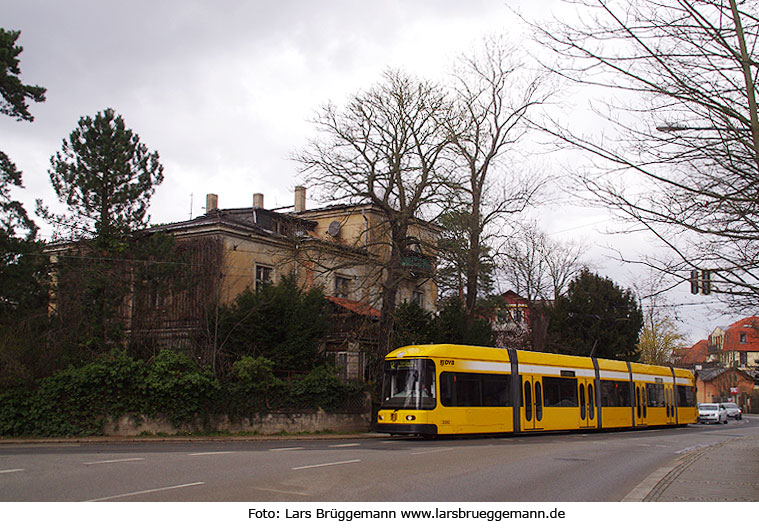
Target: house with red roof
(519,323)
(737,345)
(726,364)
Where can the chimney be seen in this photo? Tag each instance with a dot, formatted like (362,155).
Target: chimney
(258,200)
(212,202)
(300,199)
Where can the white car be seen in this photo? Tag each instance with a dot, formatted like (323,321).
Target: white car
(712,412)
(733,411)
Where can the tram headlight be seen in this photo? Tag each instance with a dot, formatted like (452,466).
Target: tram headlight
(410,418)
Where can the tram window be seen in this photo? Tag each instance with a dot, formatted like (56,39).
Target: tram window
(496,390)
(615,393)
(538,402)
(655,394)
(527,401)
(686,396)
(474,389)
(591,405)
(468,391)
(643,401)
(582,401)
(559,392)
(409,384)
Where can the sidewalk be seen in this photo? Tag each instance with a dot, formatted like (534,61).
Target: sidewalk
(728,471)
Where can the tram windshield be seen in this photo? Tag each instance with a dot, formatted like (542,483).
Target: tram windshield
(409,385)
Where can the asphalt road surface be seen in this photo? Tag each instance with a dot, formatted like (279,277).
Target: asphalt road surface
(549,467)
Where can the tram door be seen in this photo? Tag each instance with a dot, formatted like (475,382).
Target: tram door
(532,403)
(641,404)
(669,402)
(587,400)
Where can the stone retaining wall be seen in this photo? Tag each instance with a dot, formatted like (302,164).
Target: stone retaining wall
(270,423)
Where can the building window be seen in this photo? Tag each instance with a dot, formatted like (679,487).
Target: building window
(743,338)
(417,296)
(263,275)
(342,286)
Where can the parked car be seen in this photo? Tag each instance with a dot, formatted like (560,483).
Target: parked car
(712,412)
(733,411)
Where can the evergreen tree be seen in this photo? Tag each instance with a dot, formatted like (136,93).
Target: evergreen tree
(283,323)
(22,269)
(413,325)
(15,93)
(19,271)
(451,326)
(452,254)
(105,176)
(596,318)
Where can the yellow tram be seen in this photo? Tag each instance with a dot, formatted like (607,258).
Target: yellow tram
(454,389)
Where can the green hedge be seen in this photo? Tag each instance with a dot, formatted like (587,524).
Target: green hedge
(77,401)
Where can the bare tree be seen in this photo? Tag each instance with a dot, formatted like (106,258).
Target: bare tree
(494,92)
(539,269)
(685,115)
(660,335)
(385,148)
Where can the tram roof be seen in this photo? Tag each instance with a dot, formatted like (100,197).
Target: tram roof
(470,352)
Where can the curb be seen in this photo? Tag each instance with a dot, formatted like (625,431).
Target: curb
(186,439)
(651,488)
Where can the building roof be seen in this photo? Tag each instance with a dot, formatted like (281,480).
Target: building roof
(688,356)
(743,335)
(512,298)
(357,307)
(716,372)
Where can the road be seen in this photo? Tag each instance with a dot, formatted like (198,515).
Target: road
(550,467)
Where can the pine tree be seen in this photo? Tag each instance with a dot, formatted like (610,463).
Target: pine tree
(19,272)
(105,176)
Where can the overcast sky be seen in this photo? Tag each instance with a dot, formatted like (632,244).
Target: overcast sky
(224,90)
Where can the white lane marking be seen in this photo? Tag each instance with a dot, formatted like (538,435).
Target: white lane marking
(281,491)
(11,470)
(211,453)
(115,461)
(286,449)
(327,464)
(431,451)
(148,491)
(345,445)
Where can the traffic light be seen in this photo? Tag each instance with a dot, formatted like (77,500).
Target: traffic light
(706,282)
(694,282)
(701,282)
